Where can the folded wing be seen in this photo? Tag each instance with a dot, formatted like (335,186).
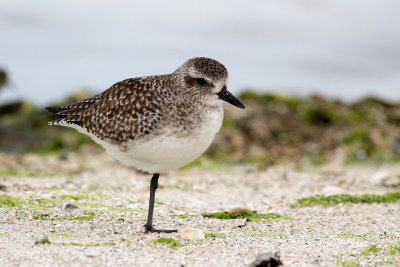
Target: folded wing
(127,110)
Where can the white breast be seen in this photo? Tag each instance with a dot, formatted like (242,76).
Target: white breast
(167,151)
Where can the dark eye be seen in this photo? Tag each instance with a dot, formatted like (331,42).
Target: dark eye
(201,81)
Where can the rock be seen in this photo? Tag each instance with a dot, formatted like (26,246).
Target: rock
(192,234)
(267,259)
(392,182)
(43,241)
(378,178)
(239,211)
(72,208)
(383,178)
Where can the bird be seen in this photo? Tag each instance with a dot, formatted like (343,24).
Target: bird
(155,123)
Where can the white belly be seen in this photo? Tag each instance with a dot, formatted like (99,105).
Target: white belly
(167,152)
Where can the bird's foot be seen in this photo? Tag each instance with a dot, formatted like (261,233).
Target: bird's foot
(150,229)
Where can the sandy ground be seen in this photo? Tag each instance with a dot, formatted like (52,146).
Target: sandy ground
(314,236)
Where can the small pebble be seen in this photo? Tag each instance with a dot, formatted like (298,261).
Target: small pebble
(267,259)
(104,209)
(192,234)
(244,224)
(70,207)
(360,230)
(331,190)
(92,254)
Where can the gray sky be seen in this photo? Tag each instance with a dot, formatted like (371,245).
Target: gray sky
(340,48)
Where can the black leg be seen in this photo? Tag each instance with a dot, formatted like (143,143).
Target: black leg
(148,227)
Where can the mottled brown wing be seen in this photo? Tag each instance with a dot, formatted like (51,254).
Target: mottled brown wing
(127,110)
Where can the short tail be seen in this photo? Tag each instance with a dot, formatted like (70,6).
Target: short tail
(64,118)
(72,113)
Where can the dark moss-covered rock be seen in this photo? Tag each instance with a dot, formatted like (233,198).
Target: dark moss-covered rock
(274,127)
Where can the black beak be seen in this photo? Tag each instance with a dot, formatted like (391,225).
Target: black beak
(228,97)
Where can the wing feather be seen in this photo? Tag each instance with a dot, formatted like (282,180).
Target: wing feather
(127,110)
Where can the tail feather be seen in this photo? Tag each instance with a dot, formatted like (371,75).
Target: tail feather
(63,122)
(72,113)
(64,117)
(55,110)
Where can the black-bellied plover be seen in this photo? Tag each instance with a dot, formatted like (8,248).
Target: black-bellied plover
(155,123)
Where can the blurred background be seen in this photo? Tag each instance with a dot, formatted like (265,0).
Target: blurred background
(321,79)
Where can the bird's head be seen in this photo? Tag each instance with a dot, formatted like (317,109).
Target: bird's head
(206,79)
